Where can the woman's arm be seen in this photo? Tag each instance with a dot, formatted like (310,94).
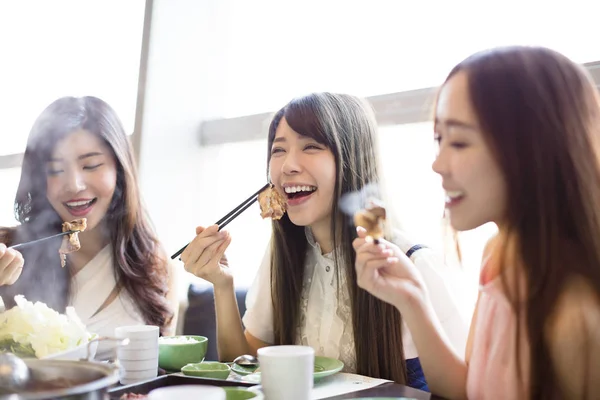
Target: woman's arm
(393,278)
(173,298)
(573,335)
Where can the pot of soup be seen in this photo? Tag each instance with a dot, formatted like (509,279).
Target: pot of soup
(68,380)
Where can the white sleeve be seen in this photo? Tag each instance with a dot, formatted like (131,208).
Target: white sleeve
(444,305)
(258,318)
(430,264)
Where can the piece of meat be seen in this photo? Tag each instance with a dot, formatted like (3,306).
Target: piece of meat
(70,242)
(372,218)
(272,204)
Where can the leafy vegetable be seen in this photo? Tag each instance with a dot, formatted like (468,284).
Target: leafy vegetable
(34,329)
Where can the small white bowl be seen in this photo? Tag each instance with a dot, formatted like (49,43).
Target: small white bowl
(139,365)
(134,354)
(137,332)
(141,344)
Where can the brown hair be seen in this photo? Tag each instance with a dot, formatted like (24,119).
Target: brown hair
(139,261)
(347,126)
(540,114)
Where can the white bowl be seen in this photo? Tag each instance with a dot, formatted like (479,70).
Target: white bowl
(133,354)
(145,374)
(137,332)
(188,392)
(139,365)
(75,354)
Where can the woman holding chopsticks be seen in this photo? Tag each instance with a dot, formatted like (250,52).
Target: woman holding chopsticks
(519,145)
(79,164)
(320,147)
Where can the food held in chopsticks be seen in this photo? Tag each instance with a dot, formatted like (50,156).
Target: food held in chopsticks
(70,242)
(231,215)
(372,218)
(272,204)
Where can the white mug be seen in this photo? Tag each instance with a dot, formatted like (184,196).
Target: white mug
(286,372)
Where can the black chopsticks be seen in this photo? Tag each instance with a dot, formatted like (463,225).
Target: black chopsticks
(26,244)
(231,215)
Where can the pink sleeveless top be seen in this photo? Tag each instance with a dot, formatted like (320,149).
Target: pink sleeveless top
(492,367)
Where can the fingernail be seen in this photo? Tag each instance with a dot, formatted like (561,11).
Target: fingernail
(369,239)
(223,234)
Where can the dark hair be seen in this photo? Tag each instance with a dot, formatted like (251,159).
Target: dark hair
(139,261)
(347,126)
(540,115)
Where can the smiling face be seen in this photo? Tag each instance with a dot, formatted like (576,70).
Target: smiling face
(81,178)
(474,184)
(305,171)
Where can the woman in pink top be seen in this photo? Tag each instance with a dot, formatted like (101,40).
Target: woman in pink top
(519,145)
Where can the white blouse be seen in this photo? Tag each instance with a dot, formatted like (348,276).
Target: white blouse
(326,319)
(91,286)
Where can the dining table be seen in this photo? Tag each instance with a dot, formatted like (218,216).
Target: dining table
(390,390)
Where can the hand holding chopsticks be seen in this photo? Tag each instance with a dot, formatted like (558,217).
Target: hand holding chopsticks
(11,265)
(231,215)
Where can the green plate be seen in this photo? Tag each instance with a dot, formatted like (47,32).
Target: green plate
(324,366)
(241,370)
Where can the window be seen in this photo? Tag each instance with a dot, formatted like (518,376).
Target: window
(61,48)
(280,49)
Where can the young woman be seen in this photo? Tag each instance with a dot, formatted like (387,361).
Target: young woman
(519,145)
(320,147)
(79,164)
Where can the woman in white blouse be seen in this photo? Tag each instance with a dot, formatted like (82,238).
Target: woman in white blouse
(321,146)
(79,164)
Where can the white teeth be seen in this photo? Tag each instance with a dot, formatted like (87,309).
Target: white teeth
(78,203)
(454,194)
(296,189)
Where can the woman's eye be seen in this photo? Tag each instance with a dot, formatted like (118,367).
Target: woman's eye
(312,147)
(92,167)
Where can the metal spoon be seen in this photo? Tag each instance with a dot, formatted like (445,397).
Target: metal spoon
(14,373)
(246,360)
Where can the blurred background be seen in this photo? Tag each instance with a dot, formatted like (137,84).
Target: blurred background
(195,81)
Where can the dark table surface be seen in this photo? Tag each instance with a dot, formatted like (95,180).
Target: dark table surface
(388,390)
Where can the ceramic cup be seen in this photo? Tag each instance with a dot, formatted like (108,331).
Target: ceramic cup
(286,372)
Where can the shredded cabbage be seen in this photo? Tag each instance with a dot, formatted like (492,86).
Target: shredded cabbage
(34,329)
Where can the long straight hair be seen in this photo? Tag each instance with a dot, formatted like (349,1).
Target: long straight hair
(540,115)
(347,126)
(140,265)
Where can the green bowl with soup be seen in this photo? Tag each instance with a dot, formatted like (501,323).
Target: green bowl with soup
(175,352)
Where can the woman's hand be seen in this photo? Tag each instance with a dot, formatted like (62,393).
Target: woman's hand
(383,270)
(205,256)
(11,265)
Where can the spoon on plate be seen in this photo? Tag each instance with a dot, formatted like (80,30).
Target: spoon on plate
(246,360)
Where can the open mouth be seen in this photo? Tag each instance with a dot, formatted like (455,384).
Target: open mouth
(80,205)
(299,192)
(454,197)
